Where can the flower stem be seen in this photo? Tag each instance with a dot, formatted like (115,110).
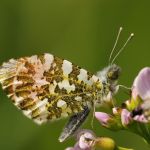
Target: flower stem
(122,148)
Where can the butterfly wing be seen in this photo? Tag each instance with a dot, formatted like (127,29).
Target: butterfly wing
(46,87)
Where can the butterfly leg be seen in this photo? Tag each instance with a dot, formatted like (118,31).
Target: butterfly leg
(74,123)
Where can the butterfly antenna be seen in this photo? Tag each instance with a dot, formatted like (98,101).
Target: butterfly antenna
(127,41)
(112,51)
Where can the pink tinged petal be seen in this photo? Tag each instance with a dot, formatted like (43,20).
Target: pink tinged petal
(103,118)
(77,147)
(125,117)
(140,118)
(141,85)
(69,148)
(83,131)
(86,141)
(134,92)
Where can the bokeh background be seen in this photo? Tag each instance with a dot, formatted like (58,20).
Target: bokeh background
(82,31)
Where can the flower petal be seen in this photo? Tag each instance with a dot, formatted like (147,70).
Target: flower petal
(125,117)
(140,118)
(86,141)
(83,131)
(77,147)
(141,85)
(69,148)
(102,117)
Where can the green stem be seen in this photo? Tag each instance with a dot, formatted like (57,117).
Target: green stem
(122,148)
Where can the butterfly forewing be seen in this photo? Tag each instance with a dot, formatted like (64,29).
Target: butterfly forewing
(46,87)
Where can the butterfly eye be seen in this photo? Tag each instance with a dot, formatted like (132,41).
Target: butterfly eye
(110,74)
(113,72)
(113,75)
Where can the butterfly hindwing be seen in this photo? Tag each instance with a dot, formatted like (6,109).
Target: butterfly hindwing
(46,87)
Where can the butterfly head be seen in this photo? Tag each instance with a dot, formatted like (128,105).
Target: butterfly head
(112,73)
(109,77)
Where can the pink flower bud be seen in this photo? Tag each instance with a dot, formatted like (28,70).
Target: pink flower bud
(102,117)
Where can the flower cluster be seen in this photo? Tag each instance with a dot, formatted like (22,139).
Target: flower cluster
(134,114)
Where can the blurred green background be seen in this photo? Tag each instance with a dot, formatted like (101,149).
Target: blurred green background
(82,31)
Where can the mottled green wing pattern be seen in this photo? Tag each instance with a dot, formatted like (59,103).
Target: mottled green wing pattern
(46,87)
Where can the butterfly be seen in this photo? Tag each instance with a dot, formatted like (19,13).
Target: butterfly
(46,88)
